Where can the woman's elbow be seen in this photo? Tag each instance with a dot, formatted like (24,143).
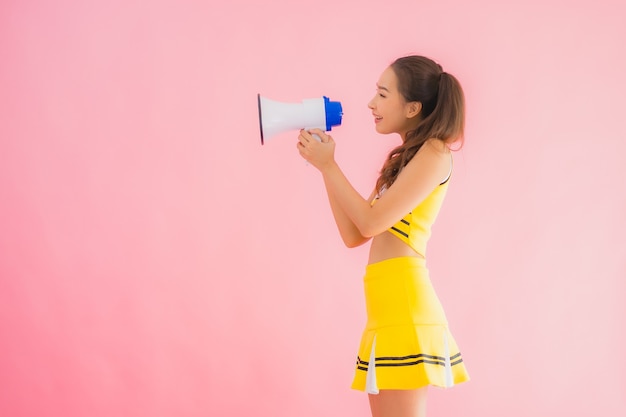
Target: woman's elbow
(354,241)
(368,231)
(352,244)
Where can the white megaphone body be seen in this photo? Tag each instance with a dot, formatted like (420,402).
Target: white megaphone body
(315,113)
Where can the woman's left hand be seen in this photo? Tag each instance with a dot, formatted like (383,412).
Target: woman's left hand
(319,154)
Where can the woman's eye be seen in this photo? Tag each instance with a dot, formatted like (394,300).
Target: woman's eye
(382,95)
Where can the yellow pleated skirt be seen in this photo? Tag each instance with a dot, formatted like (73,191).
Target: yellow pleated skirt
(406,343)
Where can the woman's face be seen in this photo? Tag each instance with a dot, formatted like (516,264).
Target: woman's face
(392,113)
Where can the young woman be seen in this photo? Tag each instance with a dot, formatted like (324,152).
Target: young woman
(406,345)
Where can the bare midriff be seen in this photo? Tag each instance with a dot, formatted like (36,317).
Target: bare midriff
(386,246)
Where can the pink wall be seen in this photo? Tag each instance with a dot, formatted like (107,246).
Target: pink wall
(155,260)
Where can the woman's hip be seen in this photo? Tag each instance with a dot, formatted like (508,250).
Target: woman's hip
(398,291)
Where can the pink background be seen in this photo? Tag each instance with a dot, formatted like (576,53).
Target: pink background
(156,260)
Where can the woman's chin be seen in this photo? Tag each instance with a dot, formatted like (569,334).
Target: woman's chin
(382,130)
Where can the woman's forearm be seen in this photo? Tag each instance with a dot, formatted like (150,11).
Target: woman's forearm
(350,234)
(349,204)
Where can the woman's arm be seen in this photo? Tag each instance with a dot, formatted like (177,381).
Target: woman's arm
(350,234)
(418,179)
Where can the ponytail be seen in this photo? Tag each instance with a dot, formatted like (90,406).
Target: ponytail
(448,117)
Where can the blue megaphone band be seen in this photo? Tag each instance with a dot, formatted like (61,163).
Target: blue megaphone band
(334,113)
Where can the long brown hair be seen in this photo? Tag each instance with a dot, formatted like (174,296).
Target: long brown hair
(442,116)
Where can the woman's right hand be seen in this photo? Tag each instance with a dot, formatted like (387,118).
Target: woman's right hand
(319,153)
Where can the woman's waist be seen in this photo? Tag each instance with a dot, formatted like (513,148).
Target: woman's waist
(387,246)
(399,267)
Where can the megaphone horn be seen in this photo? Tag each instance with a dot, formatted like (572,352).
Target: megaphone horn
(315,113)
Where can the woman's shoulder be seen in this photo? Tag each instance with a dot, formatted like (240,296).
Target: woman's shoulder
(433,158)
(432,150)
(436,145)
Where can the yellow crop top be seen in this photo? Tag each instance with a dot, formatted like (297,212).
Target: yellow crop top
(415,228)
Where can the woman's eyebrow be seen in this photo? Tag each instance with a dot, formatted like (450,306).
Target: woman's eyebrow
(380,87)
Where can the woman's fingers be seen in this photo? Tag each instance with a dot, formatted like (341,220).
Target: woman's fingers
(323,137)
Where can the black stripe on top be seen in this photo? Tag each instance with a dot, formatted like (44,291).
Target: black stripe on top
(400,231)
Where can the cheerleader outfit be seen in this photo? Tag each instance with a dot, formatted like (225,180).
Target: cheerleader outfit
(406,343)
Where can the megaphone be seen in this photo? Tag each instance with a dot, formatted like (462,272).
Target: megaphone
(313,113)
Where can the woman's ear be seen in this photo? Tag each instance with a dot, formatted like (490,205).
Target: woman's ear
(413,109)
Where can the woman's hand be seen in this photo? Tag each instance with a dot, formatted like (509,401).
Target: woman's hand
(319,154)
